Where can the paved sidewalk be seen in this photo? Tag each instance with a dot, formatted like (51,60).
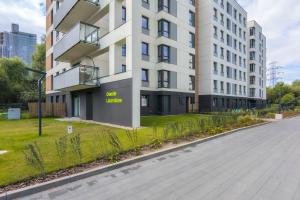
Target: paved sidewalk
(262,163)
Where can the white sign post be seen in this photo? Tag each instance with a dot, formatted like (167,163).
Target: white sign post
(70,129)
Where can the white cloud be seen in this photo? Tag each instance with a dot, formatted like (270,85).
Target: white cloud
(29,14)
(280,20)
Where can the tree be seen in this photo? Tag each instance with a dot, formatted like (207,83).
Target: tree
(39,58)
(288,99)
(13,78)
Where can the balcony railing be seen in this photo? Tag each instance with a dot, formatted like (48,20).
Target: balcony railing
(79,42)
(77,78)
(72,11)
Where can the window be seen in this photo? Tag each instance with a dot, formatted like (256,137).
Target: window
(192,18)
(215,86)
(215,32)
(145,100)
(215,14)
(222,86)
(192,2)
(164,5)
(145,23)
(191,61)
(123,68)
(252,31)
(145,49)
(164,28)
(192,83)
(215,50)
(64,98)
(124,50)
(215,68)
(252,43)
(192,40)
(163,79)
(252,67)
(228,88)
(252,80)
(124,13)
(252,55)
(57,99)
(163,53)
(145,75)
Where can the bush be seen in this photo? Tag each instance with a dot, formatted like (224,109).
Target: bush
(270,115)
(61,150)
(34,158)
(244,119)
(76,147)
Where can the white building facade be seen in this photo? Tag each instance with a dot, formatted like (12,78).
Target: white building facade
(114,60)
(257,65)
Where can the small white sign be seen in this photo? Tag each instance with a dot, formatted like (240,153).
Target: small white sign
(278,116)
(70,129)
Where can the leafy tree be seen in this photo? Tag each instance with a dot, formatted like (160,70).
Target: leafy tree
(288,99)
(14,78)
(39,57)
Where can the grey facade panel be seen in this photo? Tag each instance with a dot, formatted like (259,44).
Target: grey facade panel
(173,56)
(146,5)
(173,8)
(173,31)
(173,80)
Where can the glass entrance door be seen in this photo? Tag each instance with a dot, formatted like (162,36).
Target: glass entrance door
(76,106)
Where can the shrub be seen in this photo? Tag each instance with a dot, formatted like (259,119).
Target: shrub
(61,150)
(34,158)
(244,120)
(76,147)
(270,115)
(133,138)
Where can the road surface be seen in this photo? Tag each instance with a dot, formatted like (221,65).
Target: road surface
(262,163)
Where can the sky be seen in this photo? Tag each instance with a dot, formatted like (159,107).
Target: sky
(280,20)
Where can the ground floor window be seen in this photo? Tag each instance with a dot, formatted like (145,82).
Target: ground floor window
(164,104)
(145,101)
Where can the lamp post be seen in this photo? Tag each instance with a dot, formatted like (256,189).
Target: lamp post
(43,74)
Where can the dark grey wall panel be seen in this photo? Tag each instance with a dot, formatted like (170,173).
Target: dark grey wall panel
(178,102)
(119,113)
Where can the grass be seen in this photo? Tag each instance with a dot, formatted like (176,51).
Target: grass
(15,135)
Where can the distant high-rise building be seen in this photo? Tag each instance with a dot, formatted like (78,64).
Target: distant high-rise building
(17,44)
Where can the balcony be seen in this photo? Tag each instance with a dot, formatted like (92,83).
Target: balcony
(72,11)
(79,42)
(77,78)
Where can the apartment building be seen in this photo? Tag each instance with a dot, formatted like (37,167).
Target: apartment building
(257,65)
(114,60)
(223,55)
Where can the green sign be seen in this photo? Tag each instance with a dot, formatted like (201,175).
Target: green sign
(112,97)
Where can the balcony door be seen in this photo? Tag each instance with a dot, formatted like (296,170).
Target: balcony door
(76,106)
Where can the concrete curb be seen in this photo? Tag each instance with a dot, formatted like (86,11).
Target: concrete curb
(72,178)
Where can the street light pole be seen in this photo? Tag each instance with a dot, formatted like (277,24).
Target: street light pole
(40,80)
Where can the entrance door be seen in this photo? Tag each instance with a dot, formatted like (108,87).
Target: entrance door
(76,106)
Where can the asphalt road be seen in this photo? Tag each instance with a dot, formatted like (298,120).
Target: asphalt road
(262,163)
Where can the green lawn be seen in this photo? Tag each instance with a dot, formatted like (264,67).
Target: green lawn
(15,135)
